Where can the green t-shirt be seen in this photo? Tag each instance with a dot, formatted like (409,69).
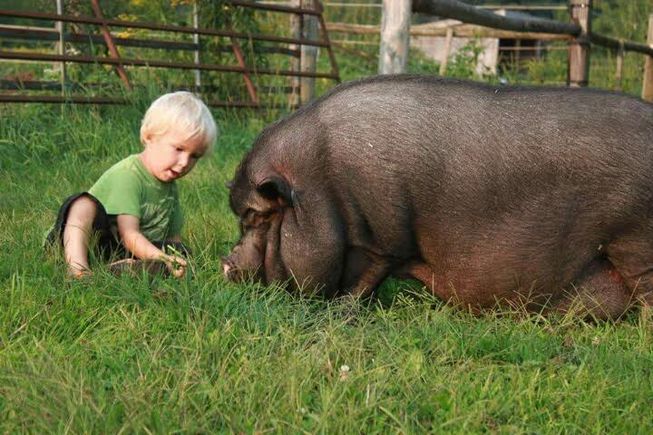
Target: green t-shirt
(128,188)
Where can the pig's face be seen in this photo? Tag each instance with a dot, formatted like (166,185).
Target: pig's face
(246,258)
(259,207)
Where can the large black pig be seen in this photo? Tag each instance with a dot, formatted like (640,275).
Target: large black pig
(541,197)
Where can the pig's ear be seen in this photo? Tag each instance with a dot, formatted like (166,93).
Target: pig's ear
(229,184)
(276,189)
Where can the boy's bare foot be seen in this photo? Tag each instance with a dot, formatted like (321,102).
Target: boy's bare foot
(79,273)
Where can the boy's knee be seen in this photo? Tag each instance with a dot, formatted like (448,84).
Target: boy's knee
(82,210)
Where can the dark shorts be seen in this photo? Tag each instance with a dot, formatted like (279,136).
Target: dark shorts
(108,245)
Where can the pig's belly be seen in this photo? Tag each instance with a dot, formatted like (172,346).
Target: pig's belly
(482,274)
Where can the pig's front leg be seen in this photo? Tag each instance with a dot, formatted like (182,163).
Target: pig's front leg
(364,272)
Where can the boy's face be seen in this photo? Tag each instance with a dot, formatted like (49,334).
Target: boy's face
(171,155)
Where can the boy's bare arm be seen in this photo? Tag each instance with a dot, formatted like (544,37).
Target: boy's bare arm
(141,247)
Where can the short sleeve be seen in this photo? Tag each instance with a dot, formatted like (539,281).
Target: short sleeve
(119,191)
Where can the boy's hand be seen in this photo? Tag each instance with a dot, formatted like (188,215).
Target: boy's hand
(141,247)
(175,264)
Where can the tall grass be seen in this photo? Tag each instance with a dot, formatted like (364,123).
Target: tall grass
(134,354)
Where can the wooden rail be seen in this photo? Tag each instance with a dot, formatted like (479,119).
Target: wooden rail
(615,43)
(462,31)
(153,26)
(473,15)
(16,55)
(107,100)
(275,8)
(41,85)
(498,6)
(47,34)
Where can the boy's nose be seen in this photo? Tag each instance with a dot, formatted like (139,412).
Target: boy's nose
(183,161)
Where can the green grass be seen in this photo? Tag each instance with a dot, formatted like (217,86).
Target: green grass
(198,355)
(202,355)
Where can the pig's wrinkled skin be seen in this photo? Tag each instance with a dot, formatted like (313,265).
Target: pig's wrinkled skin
(539,197)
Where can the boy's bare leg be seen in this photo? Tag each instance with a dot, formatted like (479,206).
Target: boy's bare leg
(76,235)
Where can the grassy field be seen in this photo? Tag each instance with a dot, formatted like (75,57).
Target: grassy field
(202,355)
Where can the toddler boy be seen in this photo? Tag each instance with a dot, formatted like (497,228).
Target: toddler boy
(134,206)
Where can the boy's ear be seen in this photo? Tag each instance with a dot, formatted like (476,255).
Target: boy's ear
(276,189)
(146,138)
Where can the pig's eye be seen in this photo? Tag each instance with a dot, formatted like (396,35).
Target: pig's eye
(249,219)
(249,215)
(246,225)
(254,219)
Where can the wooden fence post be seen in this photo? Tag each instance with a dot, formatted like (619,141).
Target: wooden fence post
(619,74)
(295,62)
(61,47)
(309,54)
(447,50)
(196,40)
(579,48)
(395,36)
(647,86)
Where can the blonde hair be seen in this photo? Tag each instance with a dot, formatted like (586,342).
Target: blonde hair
(183,111)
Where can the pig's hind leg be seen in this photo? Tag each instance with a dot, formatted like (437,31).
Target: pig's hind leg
(600,292)
(632,256)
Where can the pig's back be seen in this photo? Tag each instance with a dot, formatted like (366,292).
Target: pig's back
(492,174)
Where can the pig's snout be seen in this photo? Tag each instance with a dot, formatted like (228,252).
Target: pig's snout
(235,272)
(229,269)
